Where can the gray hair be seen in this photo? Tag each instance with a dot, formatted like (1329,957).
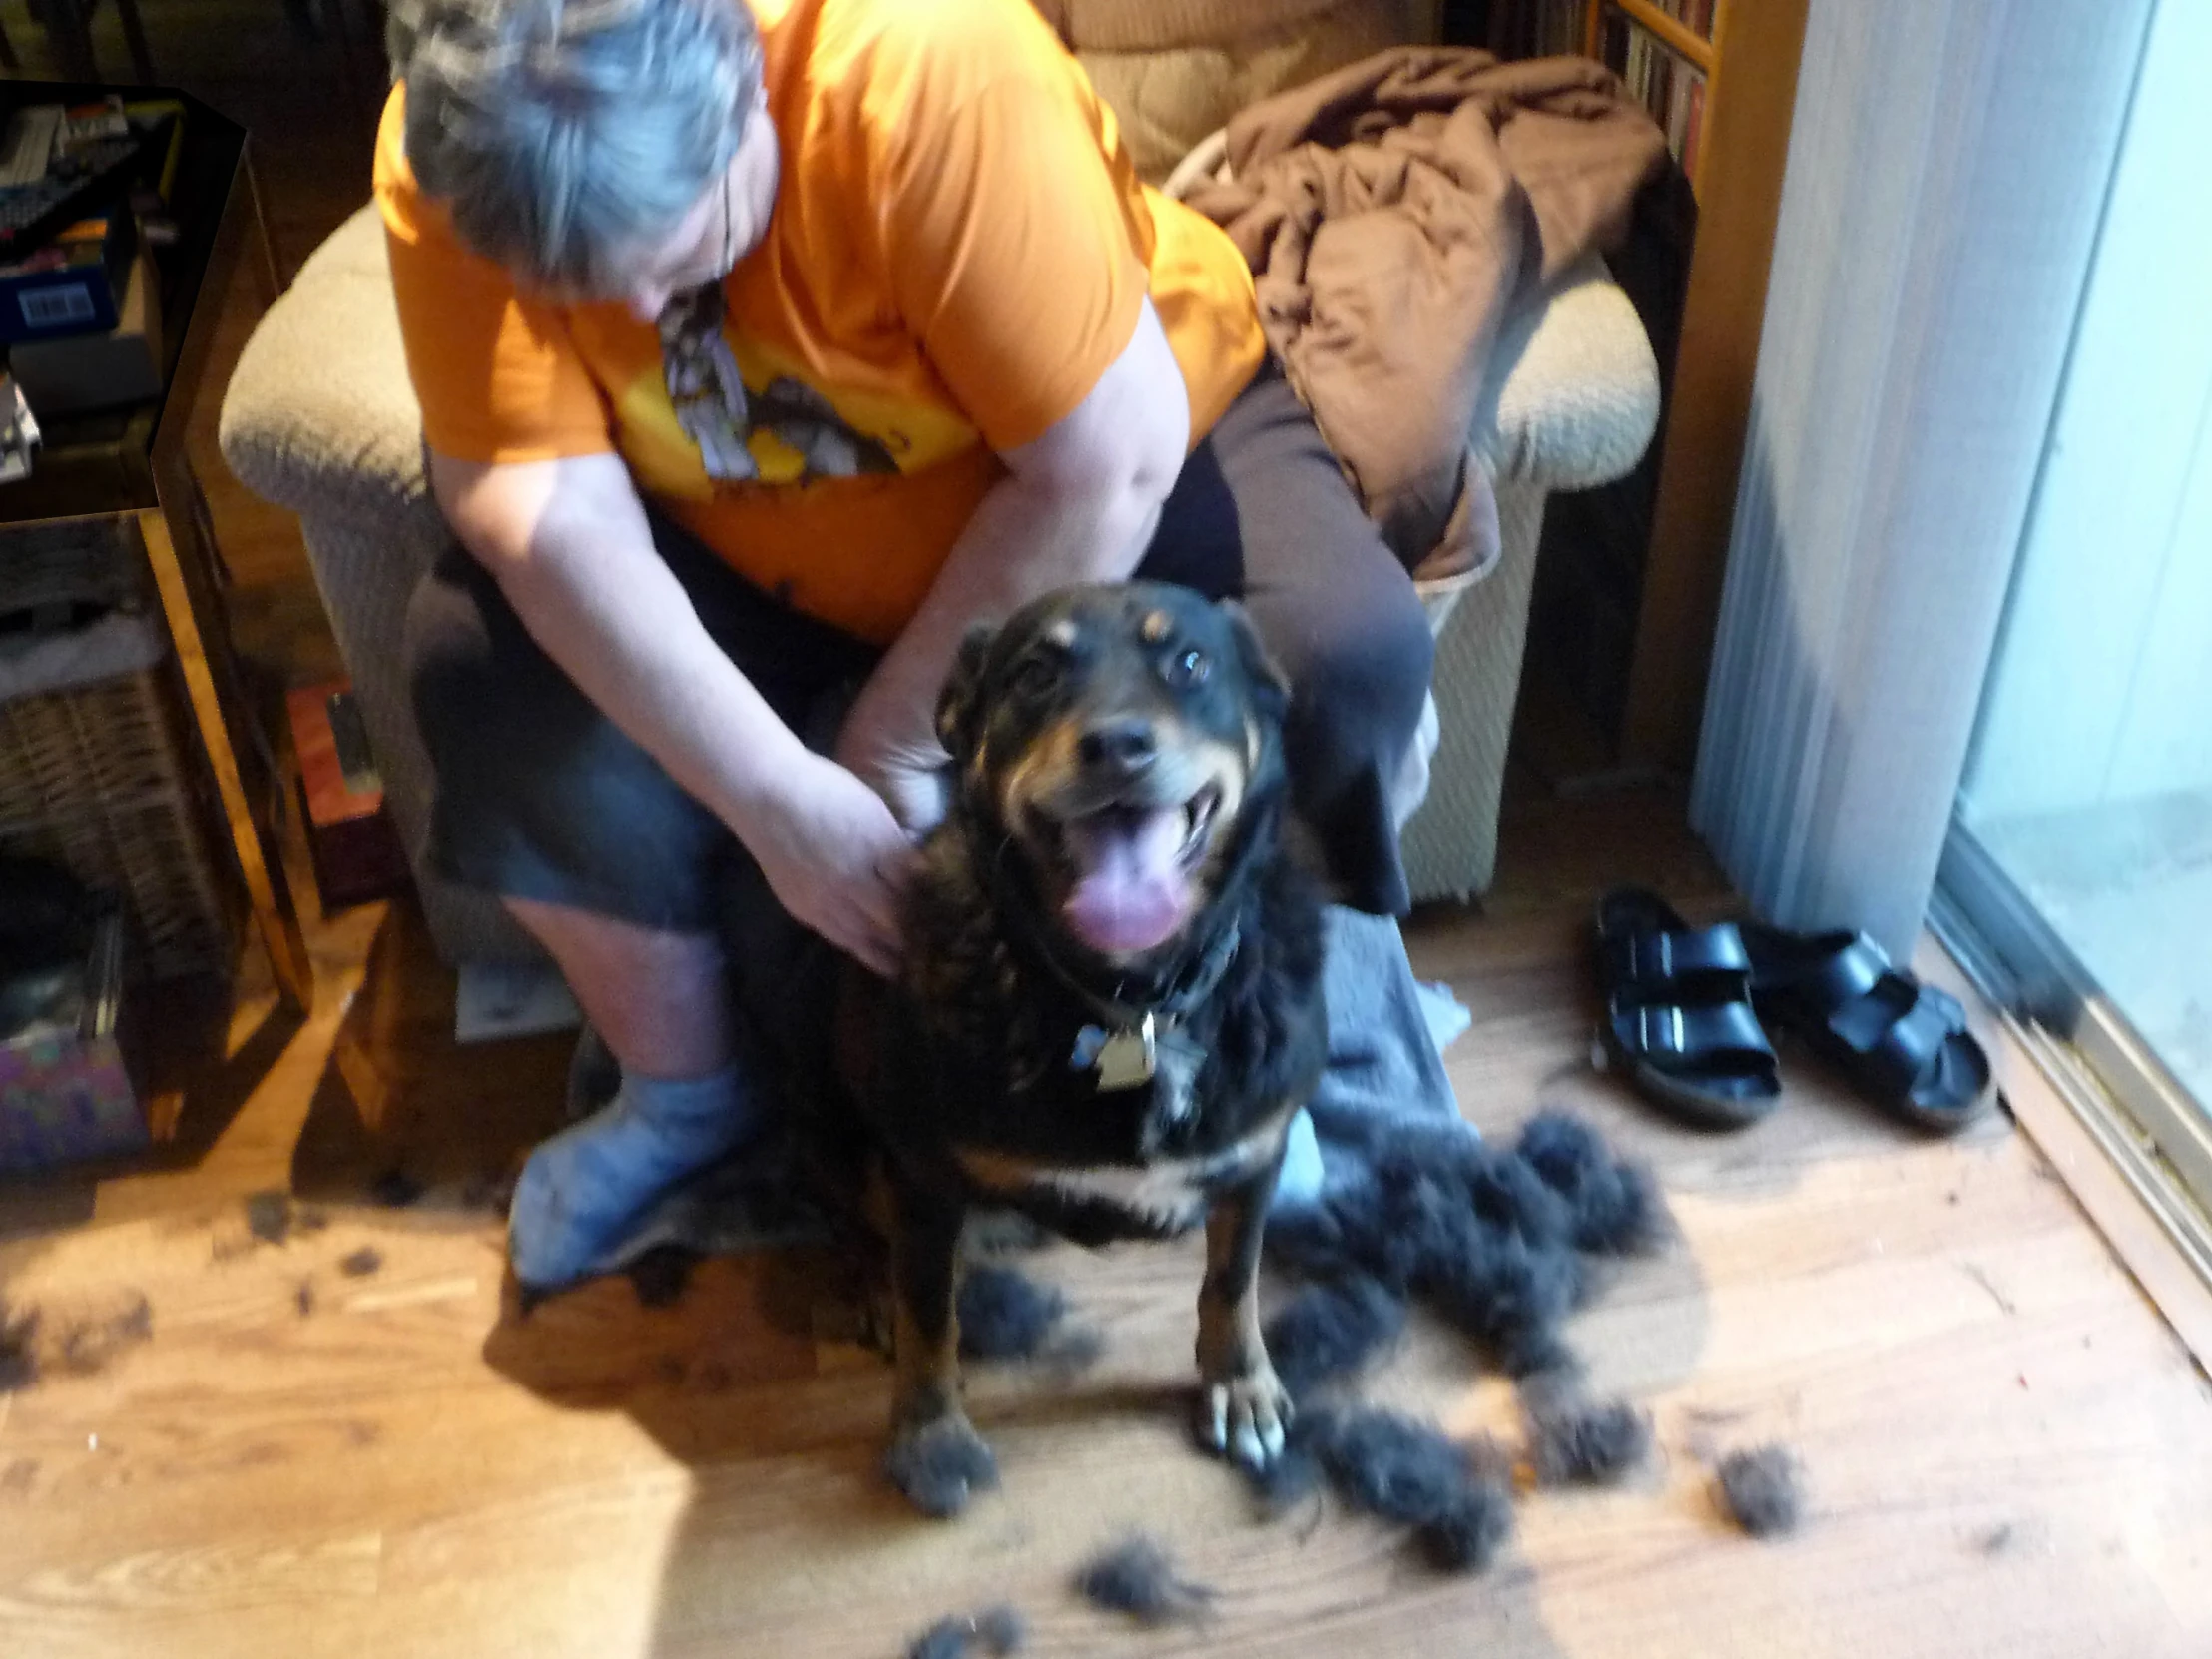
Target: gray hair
(566,134)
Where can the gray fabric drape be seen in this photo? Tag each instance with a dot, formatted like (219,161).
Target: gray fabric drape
(1947,168)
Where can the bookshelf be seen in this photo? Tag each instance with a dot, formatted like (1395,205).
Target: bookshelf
(1720,77)
(1664,52)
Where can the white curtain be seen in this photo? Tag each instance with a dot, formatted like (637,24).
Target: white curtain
(1949,164)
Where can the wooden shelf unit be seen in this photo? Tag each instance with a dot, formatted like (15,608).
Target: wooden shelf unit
(1750,95)
(1678,35)
(1750,65)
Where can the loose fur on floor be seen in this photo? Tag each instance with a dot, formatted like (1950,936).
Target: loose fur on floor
(1493,1240)
(1401,1469)
(269,1216)
(1333,1331)
(1000,1630)
(1761,1492)
(37,1343)
(1587,1444)
(1138,1577)
(18,1347)
(1398,1468)
(1614,1207)
(1007,1314)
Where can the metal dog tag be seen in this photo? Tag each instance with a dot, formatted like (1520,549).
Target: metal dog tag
(1123,1059)
(1128,1059)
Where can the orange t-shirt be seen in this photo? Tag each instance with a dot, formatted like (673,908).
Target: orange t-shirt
(958,250)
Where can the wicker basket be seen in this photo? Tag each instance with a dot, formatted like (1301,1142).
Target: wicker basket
(95,779)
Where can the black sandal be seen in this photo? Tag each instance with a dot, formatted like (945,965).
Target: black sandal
(1903,1044)
(1678,1013)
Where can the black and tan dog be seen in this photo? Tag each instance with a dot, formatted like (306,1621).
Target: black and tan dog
(1112,1004)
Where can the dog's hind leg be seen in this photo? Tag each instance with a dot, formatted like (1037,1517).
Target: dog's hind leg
(936,1458)
(1244,1410)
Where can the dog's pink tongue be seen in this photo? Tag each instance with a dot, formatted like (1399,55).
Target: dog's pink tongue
(1130,894)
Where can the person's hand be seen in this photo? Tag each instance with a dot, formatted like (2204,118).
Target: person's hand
(911,776)
(839,863)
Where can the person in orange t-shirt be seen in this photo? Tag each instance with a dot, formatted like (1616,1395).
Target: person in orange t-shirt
(763,348)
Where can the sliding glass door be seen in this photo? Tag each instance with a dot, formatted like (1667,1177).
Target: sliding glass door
(2083,850)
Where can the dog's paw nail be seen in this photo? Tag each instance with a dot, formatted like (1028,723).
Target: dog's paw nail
(1271,1441)
(1250,1453)
(1600,1058)
(1217,1430)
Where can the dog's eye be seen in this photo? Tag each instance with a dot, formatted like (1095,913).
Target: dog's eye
(1188,668)
(1036,676)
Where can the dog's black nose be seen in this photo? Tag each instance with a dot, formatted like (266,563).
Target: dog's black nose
(1124,744)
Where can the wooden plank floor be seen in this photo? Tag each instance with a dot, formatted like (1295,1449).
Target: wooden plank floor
(2008,1451)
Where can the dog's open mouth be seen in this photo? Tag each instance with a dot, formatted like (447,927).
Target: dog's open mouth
(1130,867)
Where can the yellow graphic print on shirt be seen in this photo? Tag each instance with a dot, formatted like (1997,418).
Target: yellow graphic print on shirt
(723,411)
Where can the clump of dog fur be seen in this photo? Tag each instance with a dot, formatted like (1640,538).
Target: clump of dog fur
(1007,1314)
(998,1631)
(1402,1469)
(1586,1444)
(36,1345)
(1761,1492)
(1139,1578)
(1333,1329)
(1496,1242)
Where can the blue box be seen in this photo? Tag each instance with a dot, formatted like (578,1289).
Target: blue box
(72,286)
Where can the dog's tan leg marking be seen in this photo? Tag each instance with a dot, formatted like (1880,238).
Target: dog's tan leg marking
(929,1366)
(936,1456)
(1244,1410)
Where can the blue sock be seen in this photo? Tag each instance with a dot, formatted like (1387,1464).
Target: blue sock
(584,1191)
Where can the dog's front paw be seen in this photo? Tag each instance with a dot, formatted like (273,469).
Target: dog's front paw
(1245,1419)
(941,1464)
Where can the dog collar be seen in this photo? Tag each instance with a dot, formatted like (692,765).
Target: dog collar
(1122,1046)
(1123,1049)
(1125,1058)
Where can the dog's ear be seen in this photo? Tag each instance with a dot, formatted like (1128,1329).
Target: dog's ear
(959,704)
(1271,692)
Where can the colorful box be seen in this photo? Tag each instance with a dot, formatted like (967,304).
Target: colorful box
(65,1087)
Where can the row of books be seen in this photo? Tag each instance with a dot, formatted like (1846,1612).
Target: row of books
(1665,83)
(1546,28)
(1694,15)
(1669,86)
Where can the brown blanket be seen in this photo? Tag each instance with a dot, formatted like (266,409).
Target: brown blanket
(1391,212)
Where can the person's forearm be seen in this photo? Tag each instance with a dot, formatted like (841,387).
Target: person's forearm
(584,577)
(1079,503)
(1025,540)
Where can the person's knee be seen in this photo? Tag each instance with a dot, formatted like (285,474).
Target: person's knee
(1365,683)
